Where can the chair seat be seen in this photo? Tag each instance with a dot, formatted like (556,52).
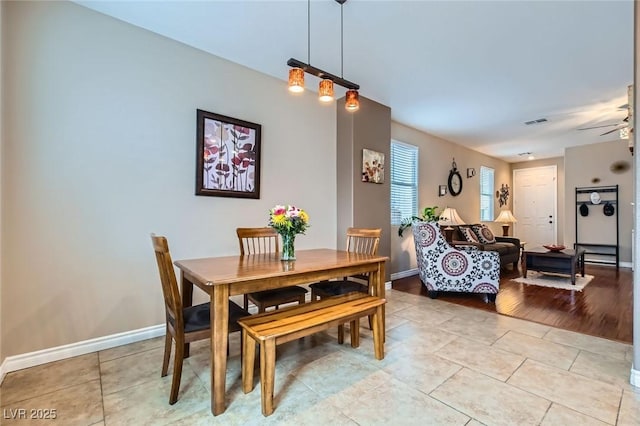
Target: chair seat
(198,317)
(337,288)
(279,295)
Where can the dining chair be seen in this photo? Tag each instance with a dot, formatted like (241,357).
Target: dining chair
(359,240)
(184,324)
(265,240)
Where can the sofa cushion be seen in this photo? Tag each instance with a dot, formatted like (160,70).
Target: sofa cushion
(484,234)
(468,234)
(501,248)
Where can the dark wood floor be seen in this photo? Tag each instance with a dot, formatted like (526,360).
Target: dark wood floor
(604,308)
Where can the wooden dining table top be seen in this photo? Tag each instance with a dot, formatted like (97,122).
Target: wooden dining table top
(233,269)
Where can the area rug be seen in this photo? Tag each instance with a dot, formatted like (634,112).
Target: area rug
(555,281)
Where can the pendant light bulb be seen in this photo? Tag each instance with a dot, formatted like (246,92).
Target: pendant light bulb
(326,90)
(296,80)
(352,102)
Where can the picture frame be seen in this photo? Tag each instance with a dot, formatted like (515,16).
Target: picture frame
(372,166)
(442,190)
(227,156)
(471,172)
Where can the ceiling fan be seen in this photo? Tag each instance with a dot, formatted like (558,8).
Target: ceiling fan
(617,126)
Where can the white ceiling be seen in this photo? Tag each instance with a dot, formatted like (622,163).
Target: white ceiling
(471,72)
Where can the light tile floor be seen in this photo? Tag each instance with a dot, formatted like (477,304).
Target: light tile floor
(444,365)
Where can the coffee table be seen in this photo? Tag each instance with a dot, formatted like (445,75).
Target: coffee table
(560,262)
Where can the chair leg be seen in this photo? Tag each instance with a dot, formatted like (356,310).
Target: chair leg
(167,353)
(177,372)
(341,334)
(491,297)
(301,300)
(370,322)
(246,302)
(354,328)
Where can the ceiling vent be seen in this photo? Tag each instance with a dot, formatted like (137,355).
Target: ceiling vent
(538,121)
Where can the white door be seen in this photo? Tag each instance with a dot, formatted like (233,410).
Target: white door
(535,204)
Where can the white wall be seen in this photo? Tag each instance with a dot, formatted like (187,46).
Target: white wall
(1,181)
(100,152)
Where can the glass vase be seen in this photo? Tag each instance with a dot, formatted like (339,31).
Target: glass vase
(288,247)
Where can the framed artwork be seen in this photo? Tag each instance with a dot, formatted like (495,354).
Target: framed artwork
(471,172)
(372,166)
(227,156)
(442,190)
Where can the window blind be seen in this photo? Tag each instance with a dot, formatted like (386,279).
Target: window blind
(404,181)
(486,194)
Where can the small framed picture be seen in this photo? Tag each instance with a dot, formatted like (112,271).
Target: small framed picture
(442,190)
(372,166)
(471,172)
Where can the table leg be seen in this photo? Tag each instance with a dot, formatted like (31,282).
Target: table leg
(219,334)
(186,288)
(582,264)
(377,284)
(573,270)
(524,266)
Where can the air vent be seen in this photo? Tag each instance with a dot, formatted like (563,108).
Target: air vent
(522,154)
(538,121)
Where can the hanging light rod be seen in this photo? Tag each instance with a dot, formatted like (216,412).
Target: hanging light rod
(310,69)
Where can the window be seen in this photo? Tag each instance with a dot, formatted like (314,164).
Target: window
(404,181)
(486,194)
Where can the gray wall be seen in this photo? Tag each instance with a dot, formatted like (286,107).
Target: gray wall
(363,204)
(98,151)
(582,165)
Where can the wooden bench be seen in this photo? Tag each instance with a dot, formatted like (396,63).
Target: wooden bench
(273,328)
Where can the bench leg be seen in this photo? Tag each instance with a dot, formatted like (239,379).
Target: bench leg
(355,333)
(378,337)
(248,360)
(341,334)
(267,374)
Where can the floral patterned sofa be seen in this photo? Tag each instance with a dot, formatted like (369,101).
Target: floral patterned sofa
(445,268)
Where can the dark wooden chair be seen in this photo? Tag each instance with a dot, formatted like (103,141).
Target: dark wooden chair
(359,240)
(184,325)
(265,240)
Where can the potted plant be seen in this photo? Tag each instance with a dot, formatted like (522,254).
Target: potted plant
(428,214)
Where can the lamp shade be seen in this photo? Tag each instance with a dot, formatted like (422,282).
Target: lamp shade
(326,90)
(505,216)
(450,217)
(352,102)
(296,80)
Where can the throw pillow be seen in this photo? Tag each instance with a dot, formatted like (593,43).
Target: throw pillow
(468,234)
(484,234)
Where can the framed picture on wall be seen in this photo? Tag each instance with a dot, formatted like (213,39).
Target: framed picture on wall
(372,166)
(227,156)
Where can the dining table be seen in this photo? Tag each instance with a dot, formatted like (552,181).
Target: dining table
(225,276)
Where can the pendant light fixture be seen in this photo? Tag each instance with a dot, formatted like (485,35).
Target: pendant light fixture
(325,89)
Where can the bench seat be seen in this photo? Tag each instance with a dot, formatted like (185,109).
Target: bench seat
(273,328)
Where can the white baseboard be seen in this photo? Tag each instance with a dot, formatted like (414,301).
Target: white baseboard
(404,274)
(634,379)
(626,264)
(31,359)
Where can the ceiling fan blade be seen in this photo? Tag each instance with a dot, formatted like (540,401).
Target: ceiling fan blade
(598,127)
(610,131)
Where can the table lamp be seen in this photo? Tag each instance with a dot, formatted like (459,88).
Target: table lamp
(505,217)
(450,217)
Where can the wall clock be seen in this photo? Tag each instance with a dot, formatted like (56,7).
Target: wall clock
(455,180)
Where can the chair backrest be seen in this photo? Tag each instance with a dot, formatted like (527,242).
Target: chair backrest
(363,240)
(172,298)
(258,240)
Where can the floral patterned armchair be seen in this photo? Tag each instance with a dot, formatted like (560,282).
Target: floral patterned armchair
(445,268)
